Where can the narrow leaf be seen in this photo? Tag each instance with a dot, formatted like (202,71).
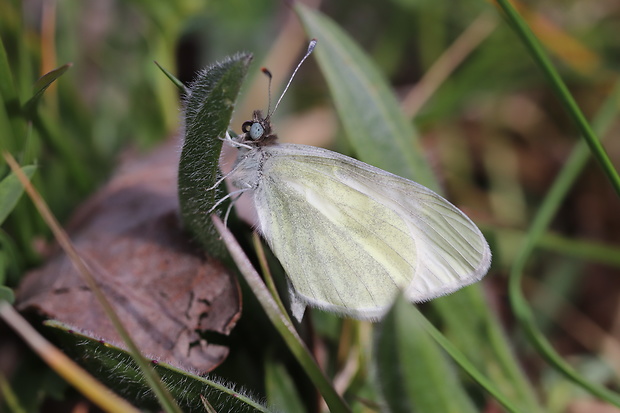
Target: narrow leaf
(561,90)
(540,223)
(41,86)
(476,332)
(7,294)
(280,388)
(413,374)
(173,79)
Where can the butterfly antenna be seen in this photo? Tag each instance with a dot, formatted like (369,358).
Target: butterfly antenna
(310,49)
(268,74)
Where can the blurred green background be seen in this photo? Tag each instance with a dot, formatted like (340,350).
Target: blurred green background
(492,130)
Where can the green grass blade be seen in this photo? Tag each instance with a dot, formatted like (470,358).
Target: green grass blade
(580,249)
(369,111)
(475,330)
(173,79)
(53,134)
(475,373)
(555,196)
(562,92)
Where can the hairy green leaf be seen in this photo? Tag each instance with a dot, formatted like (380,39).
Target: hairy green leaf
(116,369)
(208,109)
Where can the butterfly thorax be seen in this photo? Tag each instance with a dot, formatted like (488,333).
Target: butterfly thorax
(248,169)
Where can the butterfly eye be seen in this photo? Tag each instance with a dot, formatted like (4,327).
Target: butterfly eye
(256,131)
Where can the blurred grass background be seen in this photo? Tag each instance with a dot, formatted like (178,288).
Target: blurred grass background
(493,131)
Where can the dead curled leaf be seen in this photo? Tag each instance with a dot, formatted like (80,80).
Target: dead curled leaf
(163,287)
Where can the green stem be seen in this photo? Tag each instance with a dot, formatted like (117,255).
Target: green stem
(281,321)
(558,85)
(541,222)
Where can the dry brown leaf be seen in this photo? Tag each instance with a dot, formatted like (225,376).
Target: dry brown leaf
(162,286)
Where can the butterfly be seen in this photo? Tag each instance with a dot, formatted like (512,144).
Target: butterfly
(351,236)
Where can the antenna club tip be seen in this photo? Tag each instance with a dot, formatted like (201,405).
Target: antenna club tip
(266,71)
(311,45)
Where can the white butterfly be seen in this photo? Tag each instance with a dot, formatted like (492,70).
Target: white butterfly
(349,235)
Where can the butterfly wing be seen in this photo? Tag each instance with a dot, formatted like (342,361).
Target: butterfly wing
(350,235)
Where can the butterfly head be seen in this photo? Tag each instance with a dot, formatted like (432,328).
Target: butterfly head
(257,132)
